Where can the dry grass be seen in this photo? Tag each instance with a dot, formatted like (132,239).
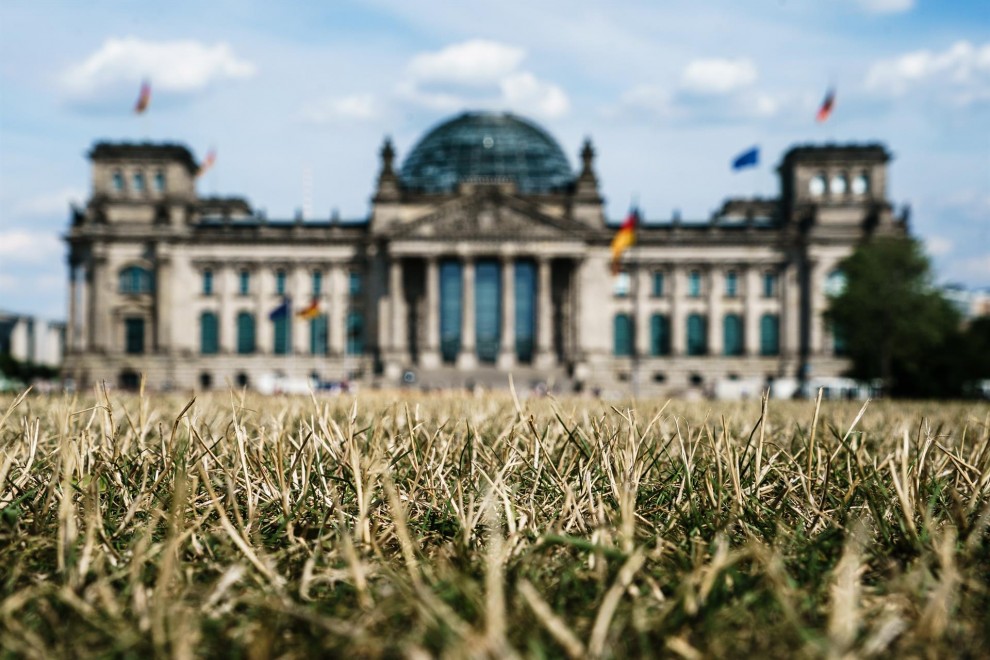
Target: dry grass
(456,526)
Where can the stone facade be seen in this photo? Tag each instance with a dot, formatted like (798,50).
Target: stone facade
(182,289)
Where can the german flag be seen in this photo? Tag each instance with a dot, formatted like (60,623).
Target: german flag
(211,158)
(311,311)
(825,111)
(624,238)
(144,98)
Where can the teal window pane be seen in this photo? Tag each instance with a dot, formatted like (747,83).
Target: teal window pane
(450,310)
(354,283)
(659,335)
(118,181)
(207,282)
(769,285)
(136,280)
(355,333)
(159,181)
(694,284)
(622,344)
(487,309)
(318,335)
(731,284)
(209,334)
(769,334)
(697,335)
(317,283)
(245,333)
(732,334)
(139,181)
(244,283)
(839,343)
(658,284)
(280,282)
(282,340)
(134,336)
(525,293)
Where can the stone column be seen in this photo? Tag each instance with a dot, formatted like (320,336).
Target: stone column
(790,311)
(396,293)
(337,324)
(642,292)
(299,289)
(265,302)
(751,320)
(678,319)
(71,338)
(99,318)
(84,343)
(430,355)
(544,357)
(225,289)
(507,347)
(467,358)
(715,311)
(816,289)
(163,304)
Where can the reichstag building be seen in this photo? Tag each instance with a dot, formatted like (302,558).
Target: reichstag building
(485,253)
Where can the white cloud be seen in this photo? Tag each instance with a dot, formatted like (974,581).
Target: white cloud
(524,91)
(172,66)
(24,246)
(474,62)
(963,70)
(885,6)
(718,76)
(939,246)
(53,203)
(480,74)
(356,107)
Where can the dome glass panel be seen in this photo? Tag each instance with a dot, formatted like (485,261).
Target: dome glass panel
(486,147)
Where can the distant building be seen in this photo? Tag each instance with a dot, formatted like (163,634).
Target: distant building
(970,303)
(30,339)
(484,254)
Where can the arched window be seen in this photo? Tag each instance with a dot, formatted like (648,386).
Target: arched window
(159,181)
(817,185)
(840,184)
(697,335)
(769,334)
(118,181)
(245,333)
(835,283)
(732,334)
(861,184)
(209,334)
(659,335)
(622,335)
(355,333)
(134,335)
(138,182)
(282,335)
(136,280)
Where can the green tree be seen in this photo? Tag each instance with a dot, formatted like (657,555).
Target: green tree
(897,326)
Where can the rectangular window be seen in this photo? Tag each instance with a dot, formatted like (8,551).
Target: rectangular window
(355,333)
(621,284)
(657,284)
(731,284)
(659,335)
(245,333)
(207,282)
(354,283)
(622,335)
(159,181)
(280,282)
(317,283)
(694,284)
(139,181)
(283,335)
(769,285)
(318,335)
(209,339)
(134,336)
(244,283)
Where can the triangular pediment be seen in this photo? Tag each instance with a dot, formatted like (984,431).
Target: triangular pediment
(488,216)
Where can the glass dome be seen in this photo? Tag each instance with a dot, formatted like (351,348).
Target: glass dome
(486,146)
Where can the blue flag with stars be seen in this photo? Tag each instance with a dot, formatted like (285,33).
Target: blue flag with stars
(748,158)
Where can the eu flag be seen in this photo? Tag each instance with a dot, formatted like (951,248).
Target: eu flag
(748,158)
(281,311)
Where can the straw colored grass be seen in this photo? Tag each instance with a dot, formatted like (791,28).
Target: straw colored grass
(450,525)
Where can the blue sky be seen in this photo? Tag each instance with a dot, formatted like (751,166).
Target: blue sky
(669,92)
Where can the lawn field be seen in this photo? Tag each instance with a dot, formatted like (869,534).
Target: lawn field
(418,525)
